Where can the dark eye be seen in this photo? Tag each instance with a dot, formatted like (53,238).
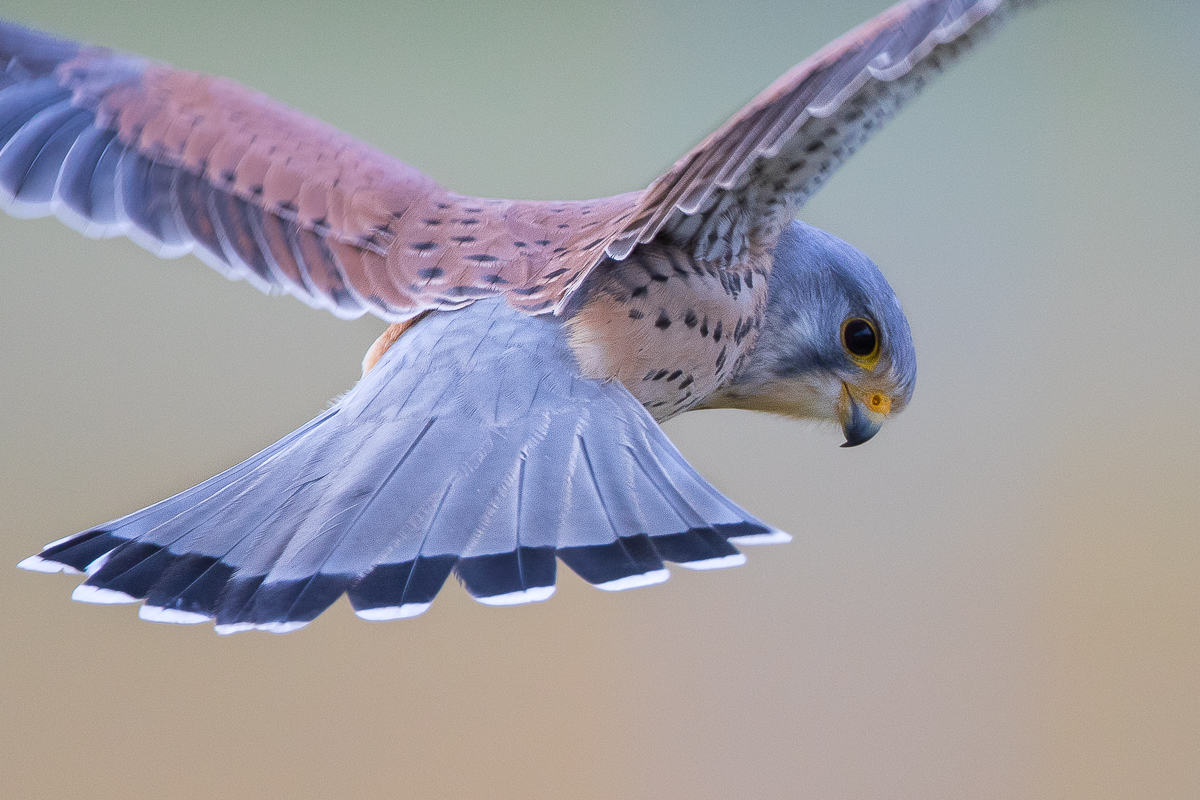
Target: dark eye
(859,337)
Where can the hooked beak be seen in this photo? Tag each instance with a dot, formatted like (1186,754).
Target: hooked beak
(861,417)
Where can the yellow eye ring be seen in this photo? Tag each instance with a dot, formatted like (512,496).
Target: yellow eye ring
(861,340)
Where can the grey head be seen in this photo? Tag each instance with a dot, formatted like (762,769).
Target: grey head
(835,345)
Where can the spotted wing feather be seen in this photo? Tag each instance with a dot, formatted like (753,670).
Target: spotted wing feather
(734,192)
(115,144)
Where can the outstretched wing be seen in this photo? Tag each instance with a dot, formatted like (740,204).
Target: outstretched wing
(114,144)
(734,192)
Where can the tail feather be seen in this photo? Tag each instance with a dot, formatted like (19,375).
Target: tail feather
(78,552)
(474,446)
(698,548)
(626,562)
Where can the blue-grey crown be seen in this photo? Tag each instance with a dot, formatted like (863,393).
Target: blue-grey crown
(817,282)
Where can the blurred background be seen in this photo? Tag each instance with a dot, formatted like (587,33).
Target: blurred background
(998,597)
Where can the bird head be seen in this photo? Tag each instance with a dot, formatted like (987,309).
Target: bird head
(834,346)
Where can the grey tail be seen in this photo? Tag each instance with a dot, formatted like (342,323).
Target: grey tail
(475,446)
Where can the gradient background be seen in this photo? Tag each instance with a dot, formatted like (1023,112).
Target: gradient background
(997,598)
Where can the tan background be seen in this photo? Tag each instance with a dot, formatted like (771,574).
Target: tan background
(999,597)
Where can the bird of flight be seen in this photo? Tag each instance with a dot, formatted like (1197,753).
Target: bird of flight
(508,418)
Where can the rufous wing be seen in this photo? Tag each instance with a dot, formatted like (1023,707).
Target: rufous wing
(115,144)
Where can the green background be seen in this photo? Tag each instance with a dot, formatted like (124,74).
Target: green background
(998,597)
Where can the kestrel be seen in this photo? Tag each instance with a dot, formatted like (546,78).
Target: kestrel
(508,418)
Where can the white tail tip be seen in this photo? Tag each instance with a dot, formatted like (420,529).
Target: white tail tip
(171,615)
(39,564)
(635,581)
(535,595)
(722,562)
(774,537)
(105,597)
(393,612)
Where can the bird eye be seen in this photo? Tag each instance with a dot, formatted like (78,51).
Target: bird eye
(858,335)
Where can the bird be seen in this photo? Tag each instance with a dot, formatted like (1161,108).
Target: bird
(509,417)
